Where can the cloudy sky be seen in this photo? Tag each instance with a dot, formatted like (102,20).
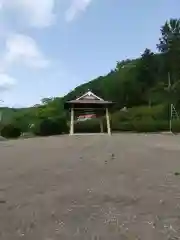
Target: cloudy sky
(48,47)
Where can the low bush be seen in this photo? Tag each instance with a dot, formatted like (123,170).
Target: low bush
(88,126)
(62,123)
(138,113)
(121,116)
(145,125)
(162,126)
(176,126)
(154,112)
(143,119)
(49,127)
(10,131)
(122,126)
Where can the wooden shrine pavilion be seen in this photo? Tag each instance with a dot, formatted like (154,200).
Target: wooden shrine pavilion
(88,103)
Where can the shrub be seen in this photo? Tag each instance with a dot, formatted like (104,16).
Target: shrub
(21,123)
(88,126)
(154,112)
(122,126)
(138,113)
(162,125)
(48,127)
(62,123)
(145,125)
(10,131)
(176,126)
(121,116)
(142,119)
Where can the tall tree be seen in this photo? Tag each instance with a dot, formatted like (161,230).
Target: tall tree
(147,74)
(169,45)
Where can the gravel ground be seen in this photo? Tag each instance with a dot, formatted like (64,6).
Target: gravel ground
(90,187)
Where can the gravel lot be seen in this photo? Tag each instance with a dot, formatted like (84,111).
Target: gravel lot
(90,187)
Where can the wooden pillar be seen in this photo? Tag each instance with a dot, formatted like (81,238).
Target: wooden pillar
(108,122)
(101,126)
(72,122)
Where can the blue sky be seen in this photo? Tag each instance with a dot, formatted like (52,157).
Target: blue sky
(48,47)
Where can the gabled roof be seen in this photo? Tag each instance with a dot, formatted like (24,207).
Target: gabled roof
(89,96)
(88,99)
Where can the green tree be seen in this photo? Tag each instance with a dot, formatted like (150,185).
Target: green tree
(147,75)
(169,45)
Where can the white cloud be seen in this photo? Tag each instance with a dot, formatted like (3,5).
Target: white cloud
(23,49)
(36,13)
(76,7)
(6,82)
(41,13)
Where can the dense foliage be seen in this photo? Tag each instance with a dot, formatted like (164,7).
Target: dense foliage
(89,126)
(49,127)
(10,131)
(148,82)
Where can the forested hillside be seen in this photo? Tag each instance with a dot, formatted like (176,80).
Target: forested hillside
(153,79)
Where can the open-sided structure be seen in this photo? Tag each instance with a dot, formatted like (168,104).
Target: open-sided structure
(87,103)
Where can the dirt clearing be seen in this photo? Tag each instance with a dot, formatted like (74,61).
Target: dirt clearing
(90,187)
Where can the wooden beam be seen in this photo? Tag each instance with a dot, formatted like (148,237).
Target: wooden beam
(72,122)
(108,121)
